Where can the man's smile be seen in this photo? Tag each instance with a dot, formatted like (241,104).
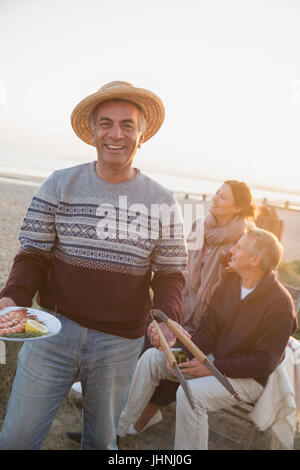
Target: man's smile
(114,147)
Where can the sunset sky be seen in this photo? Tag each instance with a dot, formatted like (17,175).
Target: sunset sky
(227,71)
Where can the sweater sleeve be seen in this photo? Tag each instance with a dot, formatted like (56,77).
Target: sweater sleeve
(268,352)
(169,262)
(37,237)
(167,294)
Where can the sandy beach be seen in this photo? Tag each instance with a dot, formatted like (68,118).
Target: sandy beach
(14,199)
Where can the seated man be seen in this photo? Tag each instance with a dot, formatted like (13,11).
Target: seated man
(249,322)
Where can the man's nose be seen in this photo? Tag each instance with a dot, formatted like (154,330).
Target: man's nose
(116,132)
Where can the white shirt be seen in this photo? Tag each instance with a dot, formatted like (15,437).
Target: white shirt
(245,291)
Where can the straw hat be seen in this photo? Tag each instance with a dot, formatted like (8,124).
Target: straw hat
(150,103)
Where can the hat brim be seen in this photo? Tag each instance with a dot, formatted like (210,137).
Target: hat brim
(150,103)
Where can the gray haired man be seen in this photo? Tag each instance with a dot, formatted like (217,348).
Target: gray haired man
(250,319)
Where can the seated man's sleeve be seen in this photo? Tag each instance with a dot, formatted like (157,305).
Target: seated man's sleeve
(207,334)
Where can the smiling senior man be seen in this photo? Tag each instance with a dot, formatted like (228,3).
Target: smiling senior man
(92,247)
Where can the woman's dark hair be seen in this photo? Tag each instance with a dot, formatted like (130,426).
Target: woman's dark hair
(242,197)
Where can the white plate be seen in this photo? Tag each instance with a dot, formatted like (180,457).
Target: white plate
(50,321)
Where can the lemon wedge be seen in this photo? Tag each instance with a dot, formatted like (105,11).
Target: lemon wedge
(33,326)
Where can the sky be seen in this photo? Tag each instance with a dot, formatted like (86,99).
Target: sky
(228,73)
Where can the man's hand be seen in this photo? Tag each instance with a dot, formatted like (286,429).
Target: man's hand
(154,336)
(194,368)
(7,302)
(170,337)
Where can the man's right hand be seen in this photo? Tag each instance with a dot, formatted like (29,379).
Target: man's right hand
(7,302)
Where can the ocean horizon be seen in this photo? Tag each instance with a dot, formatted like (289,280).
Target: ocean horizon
(183,185)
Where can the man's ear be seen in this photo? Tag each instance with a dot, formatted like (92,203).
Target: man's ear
(256,260)
(141,140)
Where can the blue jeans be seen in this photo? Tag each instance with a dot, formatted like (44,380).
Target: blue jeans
(46,371)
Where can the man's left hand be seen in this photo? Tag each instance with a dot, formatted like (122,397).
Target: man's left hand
(154,337)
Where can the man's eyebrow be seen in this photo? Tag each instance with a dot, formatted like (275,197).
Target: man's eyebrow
(128,120)
(105,118)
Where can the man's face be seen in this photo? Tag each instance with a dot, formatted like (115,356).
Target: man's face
(241,260)
(116,133)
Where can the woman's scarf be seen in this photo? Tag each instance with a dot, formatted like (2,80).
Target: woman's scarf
(203,279)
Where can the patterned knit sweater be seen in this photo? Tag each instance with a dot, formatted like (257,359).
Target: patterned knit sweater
(92,250)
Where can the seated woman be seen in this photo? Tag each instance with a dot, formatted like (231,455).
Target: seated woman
(232,209)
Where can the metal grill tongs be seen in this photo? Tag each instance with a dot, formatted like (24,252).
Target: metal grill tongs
(172,362)
(194,350)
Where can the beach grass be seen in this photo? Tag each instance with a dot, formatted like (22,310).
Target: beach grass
(289,273)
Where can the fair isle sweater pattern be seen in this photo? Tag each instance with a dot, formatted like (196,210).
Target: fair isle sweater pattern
(95,232)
